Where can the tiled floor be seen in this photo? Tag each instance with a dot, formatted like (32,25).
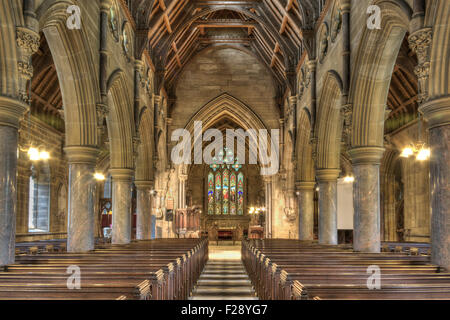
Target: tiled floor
(224,276)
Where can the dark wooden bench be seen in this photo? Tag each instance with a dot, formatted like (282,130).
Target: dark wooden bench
(289,269)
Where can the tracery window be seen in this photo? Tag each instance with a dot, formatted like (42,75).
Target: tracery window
(225,187)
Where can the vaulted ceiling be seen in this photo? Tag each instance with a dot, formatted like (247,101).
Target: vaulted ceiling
(275,31)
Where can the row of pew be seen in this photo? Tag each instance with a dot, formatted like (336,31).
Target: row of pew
(162,269)
(298,270)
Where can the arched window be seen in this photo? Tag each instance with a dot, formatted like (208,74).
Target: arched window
(39,199)
(225,189)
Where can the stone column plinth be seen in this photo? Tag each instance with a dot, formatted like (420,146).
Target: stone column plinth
(10,112)
(305,192)
(82,189)
(366,198)
(437,113)
(144,209)
(328,205)
(121,204)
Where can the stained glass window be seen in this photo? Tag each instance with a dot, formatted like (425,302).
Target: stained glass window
(210,193)
(240,195)
(218,198)
(225,185)
(233,193)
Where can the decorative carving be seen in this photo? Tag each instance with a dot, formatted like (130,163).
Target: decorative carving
(347,114)
(114,22)
(323,42)
(420,43)
(336,22)
(126,41)
(27,40)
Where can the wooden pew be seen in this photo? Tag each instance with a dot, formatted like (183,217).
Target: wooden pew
(156,269)
(289,269)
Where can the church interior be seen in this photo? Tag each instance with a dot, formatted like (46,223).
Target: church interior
(336,184)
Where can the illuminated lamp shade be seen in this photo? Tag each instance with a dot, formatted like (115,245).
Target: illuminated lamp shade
(44,155)
(349,179)
(407,152)
(423,154)
(99,176)
(33,154)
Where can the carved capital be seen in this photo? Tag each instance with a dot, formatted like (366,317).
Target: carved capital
(81,154)
(27,40)
(11,111)
(327,174)
(366,155)
(420,43)
(121,174)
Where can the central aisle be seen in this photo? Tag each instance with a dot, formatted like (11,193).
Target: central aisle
(224,276)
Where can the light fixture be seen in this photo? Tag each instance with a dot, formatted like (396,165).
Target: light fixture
(423,154)
(349,179)
(99,176)
(44,155)
(33,154)
(419,149)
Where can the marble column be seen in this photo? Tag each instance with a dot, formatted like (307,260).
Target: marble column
(82,194)
(366,198)
(437,113)
(305,192)
(328,205)
(268,203)
(121,204)
(10,113)
(144,209)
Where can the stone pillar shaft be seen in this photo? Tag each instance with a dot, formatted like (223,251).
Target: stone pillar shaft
(268,200)
(366,198)
(144,210)
(437,113)
(306,210)
(328,205)
(8,193)
(121,203)
(82,187)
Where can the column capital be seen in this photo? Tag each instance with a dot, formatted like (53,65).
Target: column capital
(327,174)
(105,5)
(346,6)
(436,111)
(183,177)
(82,154)
(144,184)
(366,155)
(122,174)
(11,111)
(305,185)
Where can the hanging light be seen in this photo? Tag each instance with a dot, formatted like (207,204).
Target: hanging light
(33,154)
(99,176)
(424,154)
(349,179)
(406,152)
(420,149)
(44,155)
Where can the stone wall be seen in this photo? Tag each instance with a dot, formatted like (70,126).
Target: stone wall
(51,140)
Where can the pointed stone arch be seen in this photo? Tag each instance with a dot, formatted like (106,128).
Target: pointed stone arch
(120,121)
(79,85)
(329,122)
(227,106)
(374,63)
